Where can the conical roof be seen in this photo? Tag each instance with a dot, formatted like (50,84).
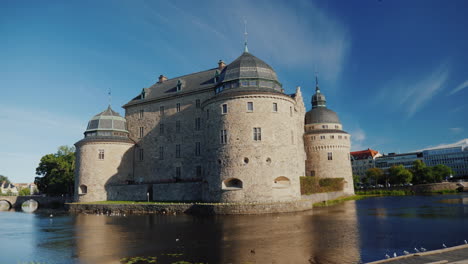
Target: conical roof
(247,66)
(108,120)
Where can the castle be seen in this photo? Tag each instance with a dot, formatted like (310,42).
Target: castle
(227,134)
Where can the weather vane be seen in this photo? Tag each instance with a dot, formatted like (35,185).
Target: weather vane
(245,36)
(109,94)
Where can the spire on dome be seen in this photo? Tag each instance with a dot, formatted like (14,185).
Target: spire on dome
(318,99)
(246,49)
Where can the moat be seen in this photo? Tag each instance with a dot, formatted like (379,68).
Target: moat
(351,232)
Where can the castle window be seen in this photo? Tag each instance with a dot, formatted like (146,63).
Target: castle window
(330,156)
(345,137)
(197,149)
(340,137)
(101,154)
(332,137)
(249,106)
(140,154)
(178,86)
(275,107)
(177,173)
(322,137)
(177,126)
(257,133)
(140,115)
(313,138)
(198,171)
(324,126)
(141,133)
(83,189)
(336,126)
(290,111)
(177,151)
(232,184)
(161,110)
(207,114)
(197,103)
(244,83)
(197,123)
(178,107)
(224,109)
(281,182)
(161,153)
(161,129)
(223,136)
(312,173)
(292,137)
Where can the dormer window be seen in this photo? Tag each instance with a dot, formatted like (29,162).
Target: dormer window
(216,76)
(143,94)
(178,86)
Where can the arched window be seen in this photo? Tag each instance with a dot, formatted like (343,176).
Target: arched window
(232,184)
(281,182)
(83,189)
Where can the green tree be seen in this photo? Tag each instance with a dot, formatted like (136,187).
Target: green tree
(399,175)
(4,179)
(56,172)
(356,181)
(24,192)
(441,172)
(420,172)
(375,175)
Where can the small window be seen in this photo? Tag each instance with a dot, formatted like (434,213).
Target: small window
(322,137)
(332,137)
(345,137)
(141,133)
(177,173)
(290,111)
(224,109)
(178,107)
(83,189)
(178,86)
(177,153)
(249,106)
(197,124)
(324,126)
(101,154)
(223,136)
(140,115)
(340,137)
(161,153)
(198,171)
(207,114)
(257,133)
(312,173)
(313,137)
(330,156)
(197,103)
(275,107)
(336,126)
(161,129)
(281,182)
(177,126)
(232,184)
(140,154)
(292,137)
(197,149)
(161,110)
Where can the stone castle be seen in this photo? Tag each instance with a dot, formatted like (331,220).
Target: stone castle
(227,134)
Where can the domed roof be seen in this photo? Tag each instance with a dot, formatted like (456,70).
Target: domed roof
(247,66)
(321,115)
(108,120)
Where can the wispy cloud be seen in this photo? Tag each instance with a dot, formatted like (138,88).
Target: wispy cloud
(456,130)
(460,87)
(412,93)
(358,136)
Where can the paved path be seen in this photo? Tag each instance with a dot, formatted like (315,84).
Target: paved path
(452,255)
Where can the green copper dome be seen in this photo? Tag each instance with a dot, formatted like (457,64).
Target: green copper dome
(107,123)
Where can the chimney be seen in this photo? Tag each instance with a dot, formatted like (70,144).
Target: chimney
(162,78)
(221,64)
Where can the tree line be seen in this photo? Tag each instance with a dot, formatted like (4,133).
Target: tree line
(398,174)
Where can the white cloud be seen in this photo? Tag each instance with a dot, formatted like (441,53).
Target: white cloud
(358,136)
(459,87)
(456,130)
(411,93)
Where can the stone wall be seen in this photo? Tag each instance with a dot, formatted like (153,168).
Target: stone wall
(133,192)
(43,201)
(180,191)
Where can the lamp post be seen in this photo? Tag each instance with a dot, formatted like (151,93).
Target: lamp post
(147,196)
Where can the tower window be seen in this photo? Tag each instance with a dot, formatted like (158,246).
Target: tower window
(197,123)
(178,86)
(290,111)
(101,154)
(197,103)
(198,171)
(177,151)
(207,114)
(324,126)
(336,126)
(322,137)
(330,156)
(140,115)
(161,110)
(177,173)
(332,136)
(275,107)
(161,153)
(250,106)
(141,132)
(177,126)
(140,154)
(224,109)
(340,137)
(161,129)
(83,189)
(257,133)
(197,149)
(178,107)
(292,137)
(223,136)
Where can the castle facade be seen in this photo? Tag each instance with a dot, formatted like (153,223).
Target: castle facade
(227,134)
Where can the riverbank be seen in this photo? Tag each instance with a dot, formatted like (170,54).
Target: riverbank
(454,255)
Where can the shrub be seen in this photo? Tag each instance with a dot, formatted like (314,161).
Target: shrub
(312,184)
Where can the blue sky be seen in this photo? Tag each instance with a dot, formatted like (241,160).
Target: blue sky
(394,71)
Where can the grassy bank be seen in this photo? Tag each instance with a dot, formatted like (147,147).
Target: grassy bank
(339,200)
(401,192)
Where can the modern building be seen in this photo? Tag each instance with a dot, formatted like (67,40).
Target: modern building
(227,134)
(454,156)
(385,162)
(363,160)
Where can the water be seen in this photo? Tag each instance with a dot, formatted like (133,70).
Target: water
(352,232)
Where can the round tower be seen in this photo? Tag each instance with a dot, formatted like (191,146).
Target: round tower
(326,144)
(254,136)
(103,157)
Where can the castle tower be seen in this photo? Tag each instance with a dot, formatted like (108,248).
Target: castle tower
(254,136)
(103,157)
(326,144)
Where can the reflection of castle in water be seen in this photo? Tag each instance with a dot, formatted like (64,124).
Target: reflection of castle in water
(324,236)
